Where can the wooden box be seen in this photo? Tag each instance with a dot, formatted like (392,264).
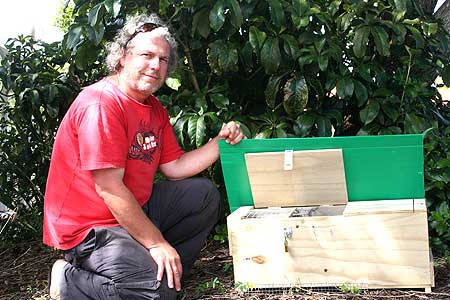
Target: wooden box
(328,212)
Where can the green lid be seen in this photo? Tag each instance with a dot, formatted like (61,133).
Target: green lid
(376,167)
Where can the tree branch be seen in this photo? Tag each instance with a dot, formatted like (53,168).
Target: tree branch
(187,51)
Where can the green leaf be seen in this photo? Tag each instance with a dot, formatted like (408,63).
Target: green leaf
(52,92)
(345,20)
(35,97)
(420,41)
(270,55)
(360,41)
(236,13)
(391,110)
(113,7)
(300,7)
(323,62)
(52,110)
(280,133)
(256,39)
(276,12)
(445,74)
(399,15)
(333,7)
(344,87)
(217,16)
(300,13)
(291,46)
(246,55)
(360,92)
(173,83)
(192,129)
(370,112)
(443,163)
(200,132)
(223,56)
(265,134)
(382,92)
(429,28)
(369,129)
(200,23)
(415,124)
(73,37)
(395,129)
(178,128)
(95,34)
(323,126)
(219,100)
(400,5)
(229,59)
(381,39)
(303,125)
(200,103)
(296,95)
(96,13)
(272,88)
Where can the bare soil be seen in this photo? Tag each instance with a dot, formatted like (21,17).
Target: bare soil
(24,268)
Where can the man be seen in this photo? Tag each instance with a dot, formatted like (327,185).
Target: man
(123,237)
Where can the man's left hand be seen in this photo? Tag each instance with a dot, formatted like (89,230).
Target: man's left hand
(231,133)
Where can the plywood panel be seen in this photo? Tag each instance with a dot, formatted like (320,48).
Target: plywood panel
(379,249)
(317,178)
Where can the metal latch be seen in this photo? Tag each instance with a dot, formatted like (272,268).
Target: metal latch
(288,160)
(287,235)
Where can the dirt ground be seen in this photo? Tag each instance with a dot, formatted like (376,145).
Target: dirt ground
(24,268)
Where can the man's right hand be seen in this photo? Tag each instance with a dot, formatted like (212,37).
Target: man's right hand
(122,204)
(167,259)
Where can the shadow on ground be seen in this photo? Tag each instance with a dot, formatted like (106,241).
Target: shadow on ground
(24,268)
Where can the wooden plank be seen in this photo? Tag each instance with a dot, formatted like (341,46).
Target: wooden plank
(378,250)
(317,178)
(388,206)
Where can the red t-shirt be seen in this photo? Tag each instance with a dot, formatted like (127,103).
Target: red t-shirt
(103,128)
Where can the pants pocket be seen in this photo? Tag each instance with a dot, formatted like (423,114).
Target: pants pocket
(148,289)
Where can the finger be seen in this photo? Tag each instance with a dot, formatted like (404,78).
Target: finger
(170,275)
(233,132)
(160,272)
(224,132)
(238,139)
(177,277)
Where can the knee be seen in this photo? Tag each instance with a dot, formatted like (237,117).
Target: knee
(210,194)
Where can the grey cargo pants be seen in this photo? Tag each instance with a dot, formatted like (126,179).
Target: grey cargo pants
(110,264)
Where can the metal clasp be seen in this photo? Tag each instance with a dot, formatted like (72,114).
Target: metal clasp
(287,235)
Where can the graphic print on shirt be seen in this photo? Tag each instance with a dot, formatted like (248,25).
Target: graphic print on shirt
(144,144)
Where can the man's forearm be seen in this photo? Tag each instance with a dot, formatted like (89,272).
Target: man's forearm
(132,218)
(193,162)
(125,208)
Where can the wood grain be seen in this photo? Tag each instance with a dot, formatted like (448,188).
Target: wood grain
(317,178)
(385,248)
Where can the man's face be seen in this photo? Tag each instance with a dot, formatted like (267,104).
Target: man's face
(144,65)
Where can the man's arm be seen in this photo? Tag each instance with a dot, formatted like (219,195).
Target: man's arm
(125,208)
(193,162)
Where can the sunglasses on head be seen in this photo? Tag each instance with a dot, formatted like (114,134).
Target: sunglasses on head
(146,27)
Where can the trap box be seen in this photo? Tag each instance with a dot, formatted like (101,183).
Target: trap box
(328,212)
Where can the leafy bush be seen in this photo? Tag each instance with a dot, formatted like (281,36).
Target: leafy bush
(36,96)
(292,68)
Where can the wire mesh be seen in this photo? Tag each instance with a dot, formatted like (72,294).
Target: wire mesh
(303,288)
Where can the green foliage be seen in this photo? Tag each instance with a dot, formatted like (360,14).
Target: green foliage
(221,233)
(289,68)
(213,284)
(437,178)
(349,288)
(65,15)
(35,96)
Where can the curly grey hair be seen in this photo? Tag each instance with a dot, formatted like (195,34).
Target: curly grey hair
(117,48)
